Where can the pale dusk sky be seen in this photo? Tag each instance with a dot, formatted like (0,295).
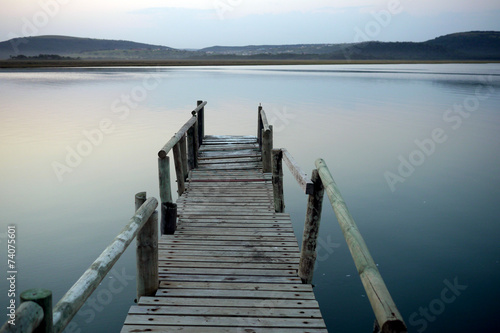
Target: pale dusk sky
(203,23)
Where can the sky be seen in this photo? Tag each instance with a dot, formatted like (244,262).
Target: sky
(202,23)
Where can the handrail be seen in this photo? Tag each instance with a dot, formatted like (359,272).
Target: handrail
(265,123)
(176,138)
(36,312)
(76,296)
(182,131)
(300,176)
(184,144)
(388,317)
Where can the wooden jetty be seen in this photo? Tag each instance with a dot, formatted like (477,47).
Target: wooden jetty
(227,259)
(231,265)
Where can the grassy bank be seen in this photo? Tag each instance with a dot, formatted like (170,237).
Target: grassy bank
(185,62)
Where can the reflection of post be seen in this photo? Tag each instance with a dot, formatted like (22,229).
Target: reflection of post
(147,253)
(279,200)
(311,230)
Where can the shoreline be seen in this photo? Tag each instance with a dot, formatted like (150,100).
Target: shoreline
(20,64)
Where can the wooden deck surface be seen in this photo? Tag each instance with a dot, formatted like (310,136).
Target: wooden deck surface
(232,264)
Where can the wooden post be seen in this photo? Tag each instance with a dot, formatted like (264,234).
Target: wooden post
(267,147)
(190,148)
(279,200)
(179,169)
(164,179)
(43,298)
(168,218)
(184,158)
(147,253)
(311,230)
(259,127)
(196,142)
(29,315)
(386,312)
(201,123)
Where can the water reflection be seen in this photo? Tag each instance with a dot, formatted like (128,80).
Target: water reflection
(441,222)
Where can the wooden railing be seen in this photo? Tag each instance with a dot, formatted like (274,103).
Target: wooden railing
(184,144)
(36,312)
(388,318)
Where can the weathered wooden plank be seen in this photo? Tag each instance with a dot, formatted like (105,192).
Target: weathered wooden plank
(247,254)
(229,248)
(235,265)
(171,257)
(225,311)
(216,329)
(239,286)
(228,146)
(289,238)
(242,243)
(230,278)
(225,271)
(251,303)
(234,293)
(224,321)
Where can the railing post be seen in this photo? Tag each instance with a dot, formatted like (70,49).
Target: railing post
(201,123)
(179,168)
(259,127)
(147,252)
(193,143)
(191,148)
(168,218)
(184,157)
(279,200)
(311,230)
(168,208)
(28,317)
(43,298)
(164,179)
(267,147)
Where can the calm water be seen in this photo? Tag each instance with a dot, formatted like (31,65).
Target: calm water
(414,149)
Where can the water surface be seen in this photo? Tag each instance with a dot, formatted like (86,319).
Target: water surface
(436,225)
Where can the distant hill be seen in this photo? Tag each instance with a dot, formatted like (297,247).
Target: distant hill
(63,45)
(474,45)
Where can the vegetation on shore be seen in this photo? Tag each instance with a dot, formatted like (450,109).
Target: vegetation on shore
(55,51)
(186,62)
